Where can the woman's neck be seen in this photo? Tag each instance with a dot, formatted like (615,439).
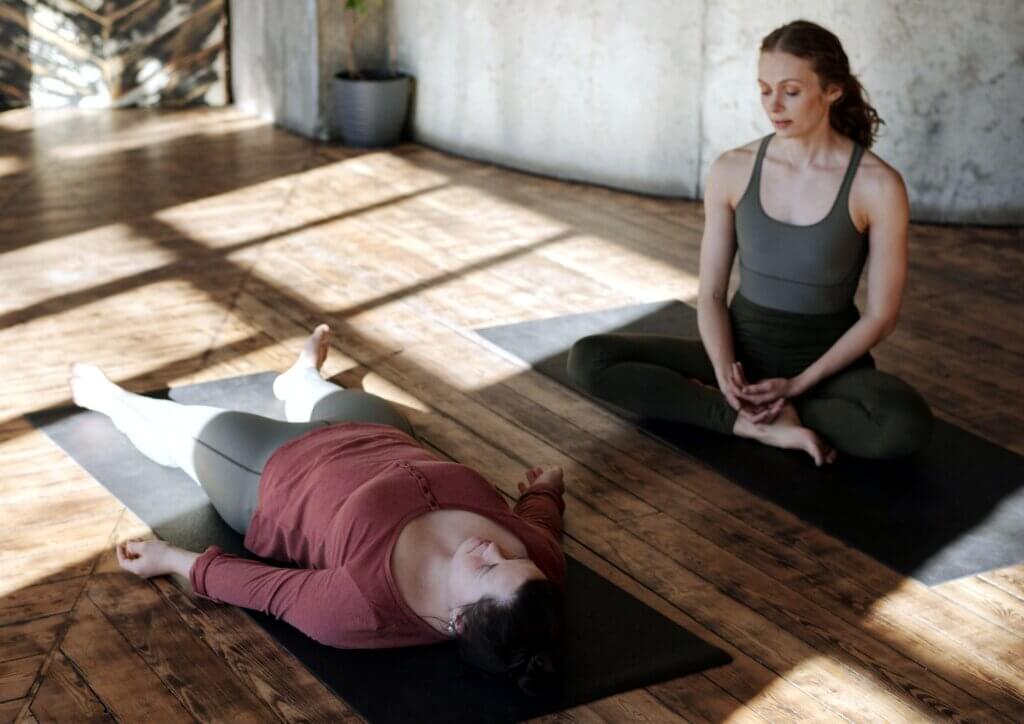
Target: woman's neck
(433,598)
(821,147)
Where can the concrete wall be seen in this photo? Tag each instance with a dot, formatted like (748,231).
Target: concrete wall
(274,67)
(284,54)
(644,95)
(601,90)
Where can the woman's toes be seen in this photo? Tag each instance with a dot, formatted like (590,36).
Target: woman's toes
(322,334)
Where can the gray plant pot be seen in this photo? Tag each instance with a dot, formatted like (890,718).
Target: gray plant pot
(370,112)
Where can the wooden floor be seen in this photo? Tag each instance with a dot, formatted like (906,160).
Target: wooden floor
(177,247)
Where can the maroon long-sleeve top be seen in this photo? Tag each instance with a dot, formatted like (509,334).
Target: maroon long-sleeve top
(333,503)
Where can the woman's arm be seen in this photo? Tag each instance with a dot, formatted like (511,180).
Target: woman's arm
(325,604)
(717,252)
(888,218)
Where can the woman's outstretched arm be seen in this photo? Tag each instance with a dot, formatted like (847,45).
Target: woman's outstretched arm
(325,604)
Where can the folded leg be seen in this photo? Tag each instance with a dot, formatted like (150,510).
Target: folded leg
(654,376)
(867,413)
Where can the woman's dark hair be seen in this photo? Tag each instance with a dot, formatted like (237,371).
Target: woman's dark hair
(851,114)
(520,639)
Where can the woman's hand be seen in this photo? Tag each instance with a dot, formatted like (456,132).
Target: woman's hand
(551,476)
(729,388)
(759,411)
(144,558)
(148,558)
(769,391)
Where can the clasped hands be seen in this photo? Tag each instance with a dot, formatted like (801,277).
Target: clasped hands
(760,402)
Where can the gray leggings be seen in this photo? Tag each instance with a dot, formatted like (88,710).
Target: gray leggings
(225,451)
(863,412)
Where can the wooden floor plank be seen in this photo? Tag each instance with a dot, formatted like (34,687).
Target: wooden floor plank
(1010,580)
(9,710)
(271,673)
(117,674)
(16,677)
(200,680)
(30,638)
(44,565)
(63,696)
(41,600)
(698,699)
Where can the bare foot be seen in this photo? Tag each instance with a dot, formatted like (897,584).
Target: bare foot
(787,432)
(312,357)
(91,389)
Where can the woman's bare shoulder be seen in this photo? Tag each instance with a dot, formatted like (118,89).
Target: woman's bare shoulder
(878,170)
(740,156)
(876,178)
(731,171)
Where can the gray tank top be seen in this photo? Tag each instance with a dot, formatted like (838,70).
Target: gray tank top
(810,269)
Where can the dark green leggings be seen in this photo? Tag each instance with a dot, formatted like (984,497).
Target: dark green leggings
(861,411)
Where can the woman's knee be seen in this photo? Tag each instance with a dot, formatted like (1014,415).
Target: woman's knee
(905,425)
(587,358)
(360,406)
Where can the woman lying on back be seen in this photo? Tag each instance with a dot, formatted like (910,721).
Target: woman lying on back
(391,546)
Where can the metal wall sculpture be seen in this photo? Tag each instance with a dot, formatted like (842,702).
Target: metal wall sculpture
(113,53)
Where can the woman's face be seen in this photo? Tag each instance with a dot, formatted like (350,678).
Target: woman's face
(791,94)
(480,568)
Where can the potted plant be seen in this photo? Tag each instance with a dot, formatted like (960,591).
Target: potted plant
(369,105)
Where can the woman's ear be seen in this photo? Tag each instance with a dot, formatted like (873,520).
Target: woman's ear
(833,94)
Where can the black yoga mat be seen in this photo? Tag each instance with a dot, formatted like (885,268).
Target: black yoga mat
(956,509)
(615,643)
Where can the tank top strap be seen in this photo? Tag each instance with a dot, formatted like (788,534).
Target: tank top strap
(843,201)
(755,179)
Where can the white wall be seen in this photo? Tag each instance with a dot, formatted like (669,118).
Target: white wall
(274,70)
(602,90)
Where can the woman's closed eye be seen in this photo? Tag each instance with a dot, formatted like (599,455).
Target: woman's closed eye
(486,569)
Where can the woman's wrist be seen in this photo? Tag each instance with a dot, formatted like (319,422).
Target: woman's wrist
(800,384)
(723,371)
(180,561)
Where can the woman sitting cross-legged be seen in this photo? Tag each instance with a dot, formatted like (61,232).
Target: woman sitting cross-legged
(393,546)
(788,362)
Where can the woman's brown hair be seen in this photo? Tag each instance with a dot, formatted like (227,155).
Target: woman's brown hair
(851,114)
